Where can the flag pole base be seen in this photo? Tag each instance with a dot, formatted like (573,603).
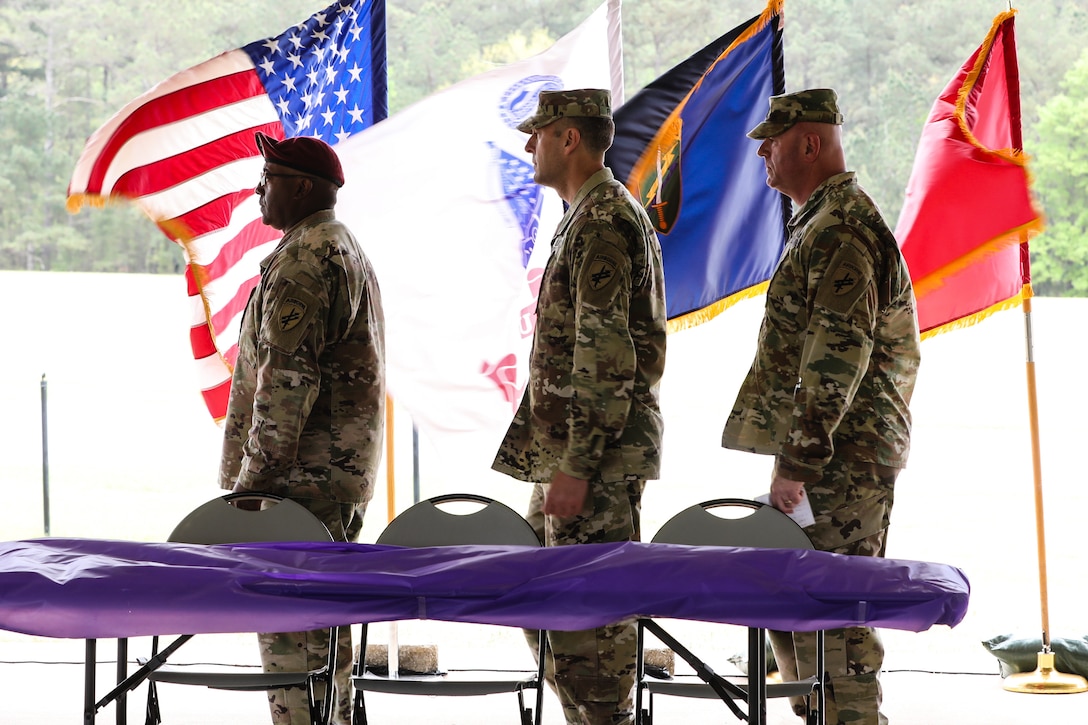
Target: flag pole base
(1045,680)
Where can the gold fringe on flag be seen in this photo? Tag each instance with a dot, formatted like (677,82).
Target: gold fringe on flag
(968,320)
(1016,157)
(705,314)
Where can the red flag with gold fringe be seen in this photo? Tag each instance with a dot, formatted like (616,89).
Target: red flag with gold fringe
(969,210)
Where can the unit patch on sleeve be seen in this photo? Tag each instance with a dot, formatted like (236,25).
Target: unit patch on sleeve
(848,277)
(291,313)
(602,278)
(602,271)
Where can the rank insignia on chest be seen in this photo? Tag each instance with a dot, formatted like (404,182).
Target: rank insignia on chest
(292,310)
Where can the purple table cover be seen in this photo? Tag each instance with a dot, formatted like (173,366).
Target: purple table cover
(91,588)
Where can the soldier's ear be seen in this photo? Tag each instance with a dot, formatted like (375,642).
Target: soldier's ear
(571,137)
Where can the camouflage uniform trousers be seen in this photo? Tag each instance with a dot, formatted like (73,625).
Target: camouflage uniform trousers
(592,671)
(299,651)
(852,505)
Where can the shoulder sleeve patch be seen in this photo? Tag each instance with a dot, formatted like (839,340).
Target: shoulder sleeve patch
(289,315)
(600,262)
(849,275)
(602,271)
(603,276)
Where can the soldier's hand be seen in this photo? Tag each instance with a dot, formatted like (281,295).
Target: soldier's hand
(566,496)
(251,504)
(786,493)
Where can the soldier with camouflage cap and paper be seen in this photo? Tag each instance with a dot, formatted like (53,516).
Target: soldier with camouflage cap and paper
(829,390)
(307,402)
(588,431)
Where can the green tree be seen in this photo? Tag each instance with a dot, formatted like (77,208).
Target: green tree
(1059,260)
(888,59)
(421,51)
(58,83)
(516,47)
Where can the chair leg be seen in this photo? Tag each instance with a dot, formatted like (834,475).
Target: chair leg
(358,709)
(322,711)
(818,715)
(640,671)
(525,713)
(541,676)
(153,716)
(358,712)
(313,704)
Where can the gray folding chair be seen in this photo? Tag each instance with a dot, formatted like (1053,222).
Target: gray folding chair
(426,524)
(220,522)
(761,526)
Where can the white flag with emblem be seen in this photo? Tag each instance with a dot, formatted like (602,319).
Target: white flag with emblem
(442,199)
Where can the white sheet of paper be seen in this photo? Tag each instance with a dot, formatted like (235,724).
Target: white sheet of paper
(802,510)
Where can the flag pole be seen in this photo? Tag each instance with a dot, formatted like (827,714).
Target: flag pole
(390,467)
(1045,679)
(393,650)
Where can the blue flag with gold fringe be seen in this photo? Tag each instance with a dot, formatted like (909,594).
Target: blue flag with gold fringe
(681,147)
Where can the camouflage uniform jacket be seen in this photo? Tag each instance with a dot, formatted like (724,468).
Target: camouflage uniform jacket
(307,399)
(838,349)
(591,406)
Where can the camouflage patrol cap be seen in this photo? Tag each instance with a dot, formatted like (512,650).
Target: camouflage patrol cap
(819,105)
(553,105)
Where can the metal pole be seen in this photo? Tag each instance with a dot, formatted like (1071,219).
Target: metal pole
(393,651)
(45,455)
(90,662)
(390,463)
(1037,472)
(1045,679)
(415,464)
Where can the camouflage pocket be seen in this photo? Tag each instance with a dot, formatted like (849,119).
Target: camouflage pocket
(851,523)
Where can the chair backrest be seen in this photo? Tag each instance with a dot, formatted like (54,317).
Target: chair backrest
(763,527)
(426,524)
(218,522)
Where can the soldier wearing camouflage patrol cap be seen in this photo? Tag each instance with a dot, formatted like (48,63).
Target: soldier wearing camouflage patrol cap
(829,391)
(818,105)
(306,414)
(588,431)
(553,105)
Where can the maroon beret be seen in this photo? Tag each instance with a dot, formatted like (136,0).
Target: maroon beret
(303,153)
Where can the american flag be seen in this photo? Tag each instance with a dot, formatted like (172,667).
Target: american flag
(185,153)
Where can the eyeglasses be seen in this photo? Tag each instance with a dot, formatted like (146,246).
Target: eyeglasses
(266,175)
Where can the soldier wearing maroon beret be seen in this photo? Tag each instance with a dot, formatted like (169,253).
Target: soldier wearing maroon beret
(306,413)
